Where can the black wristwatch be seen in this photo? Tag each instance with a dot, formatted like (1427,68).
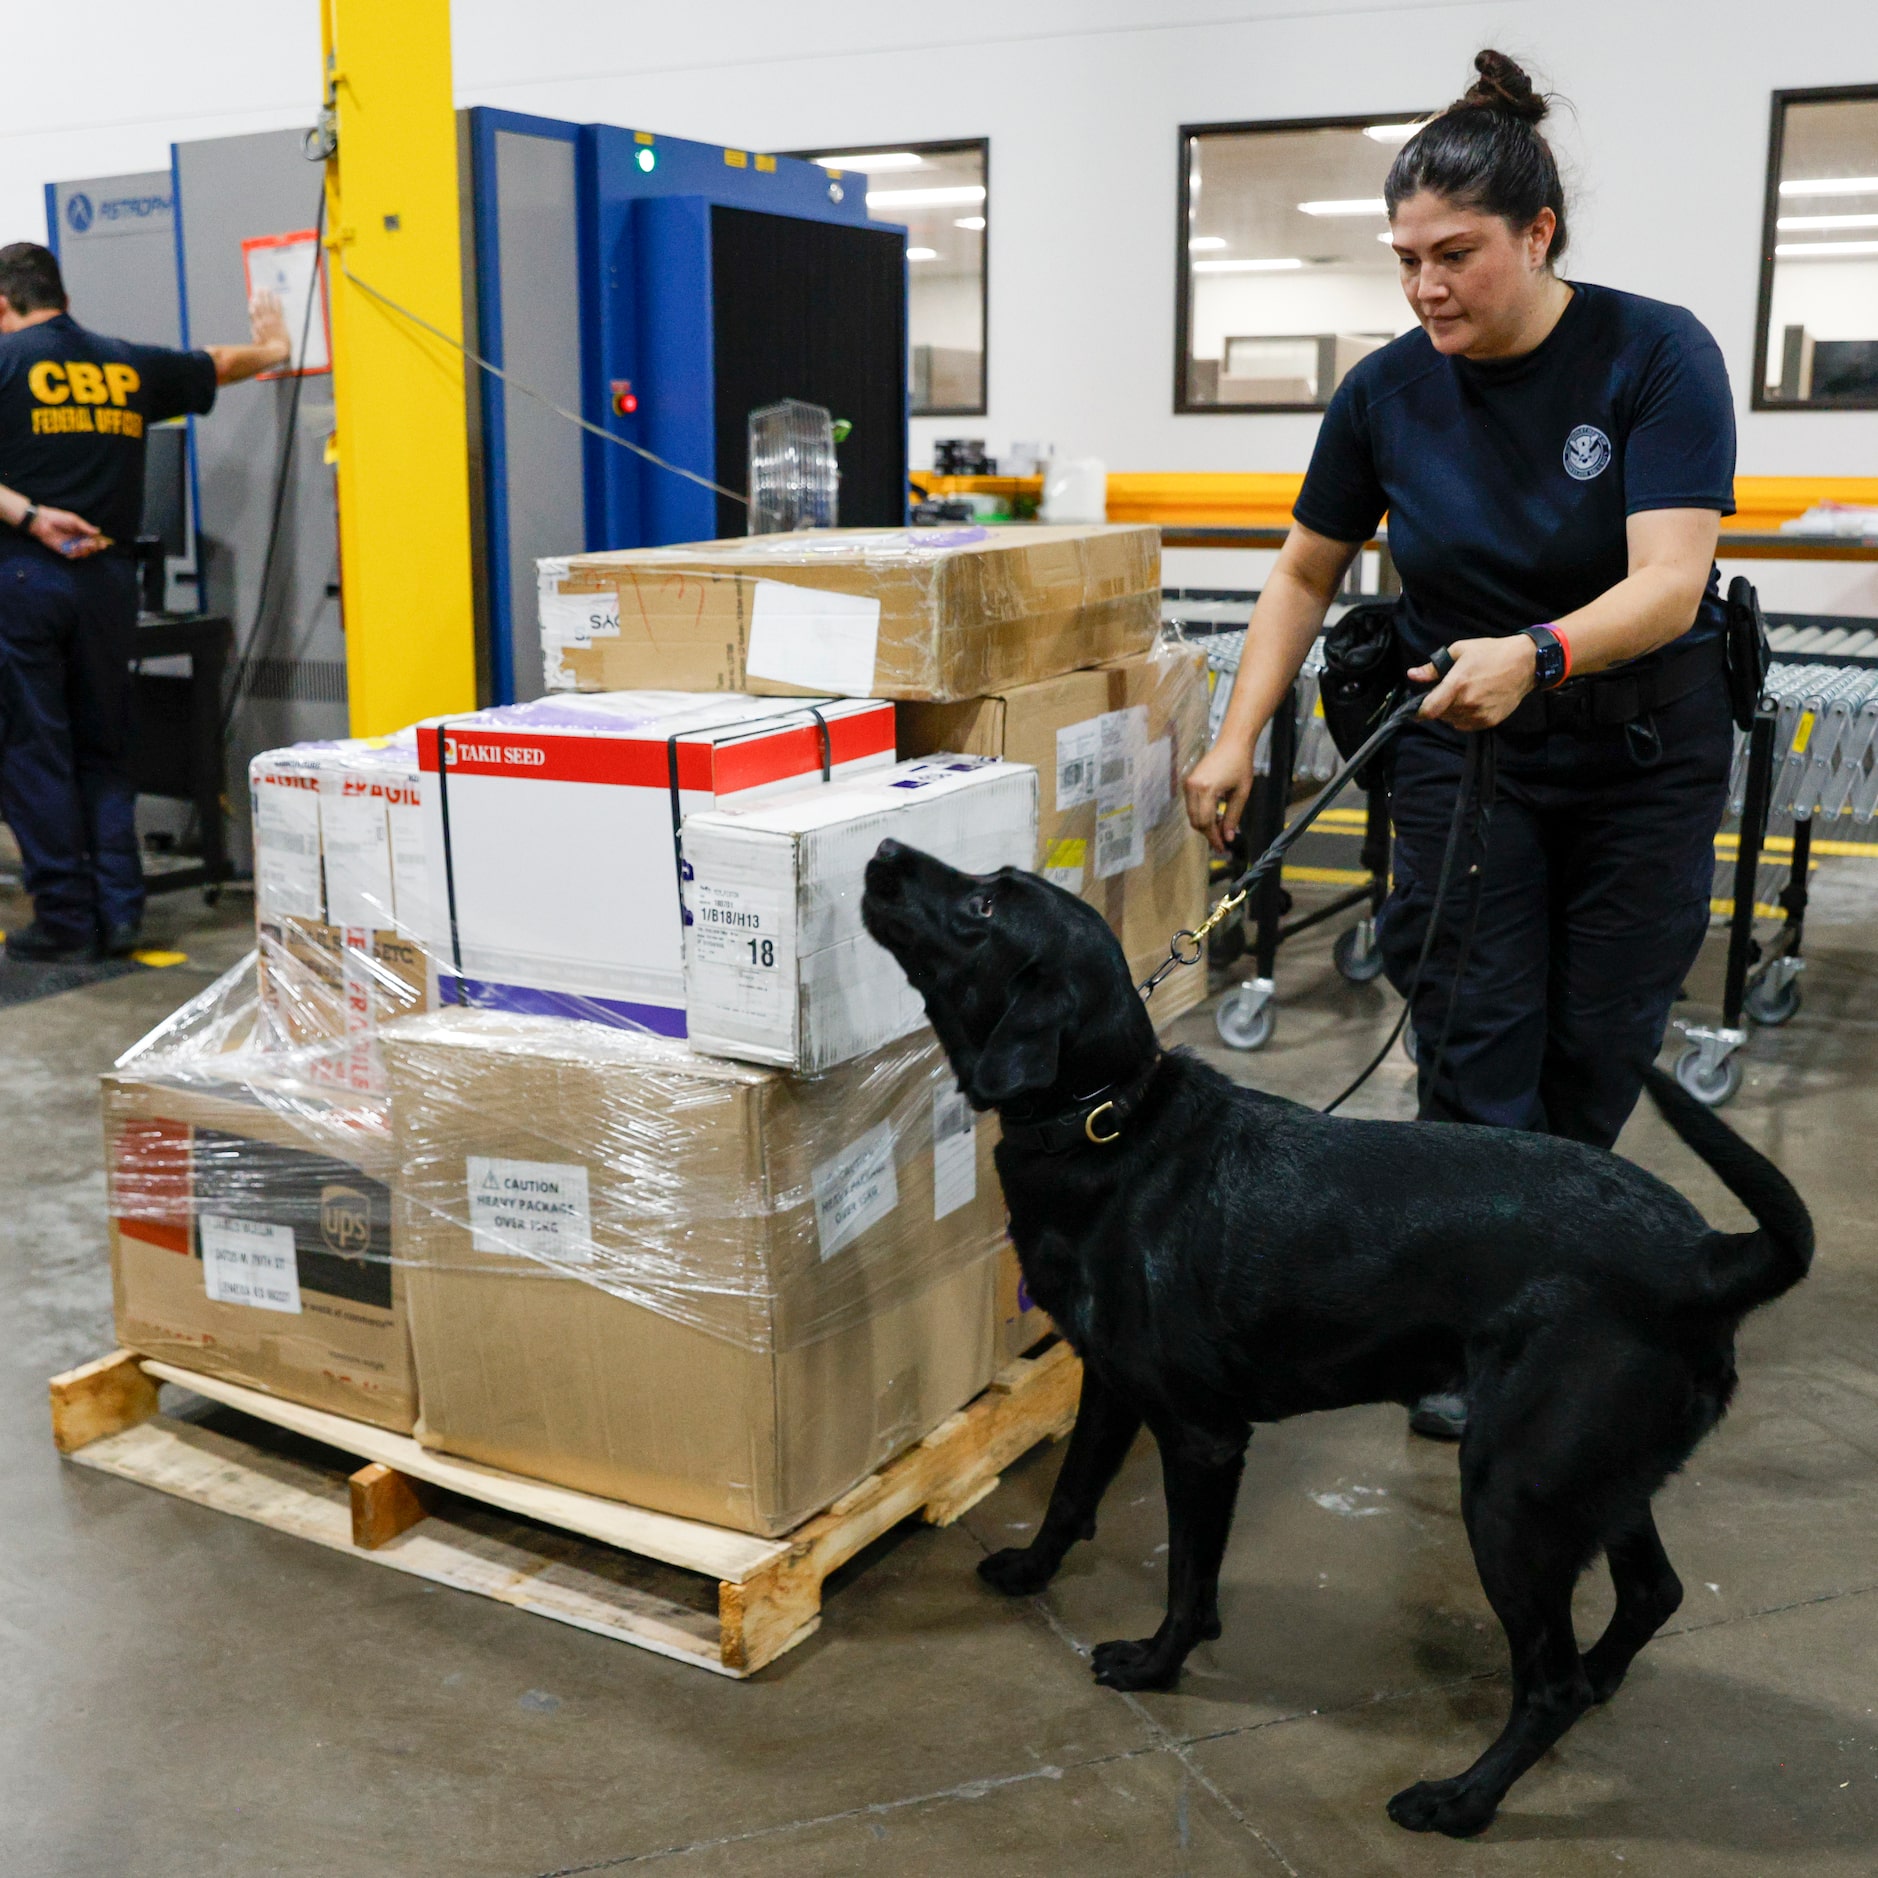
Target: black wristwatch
(1551,665)
(28,516)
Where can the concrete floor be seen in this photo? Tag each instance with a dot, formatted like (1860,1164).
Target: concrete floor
(195,1697)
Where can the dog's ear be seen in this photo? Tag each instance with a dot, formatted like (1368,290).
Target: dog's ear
(1021,1053)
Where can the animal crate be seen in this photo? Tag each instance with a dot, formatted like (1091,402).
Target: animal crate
(723,1600)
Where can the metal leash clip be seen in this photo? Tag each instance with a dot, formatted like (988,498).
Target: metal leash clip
(1188,946)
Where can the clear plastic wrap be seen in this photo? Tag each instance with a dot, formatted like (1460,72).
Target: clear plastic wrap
(937,614)
(716,1289)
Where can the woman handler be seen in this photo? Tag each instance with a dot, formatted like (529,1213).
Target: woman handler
(1554,459)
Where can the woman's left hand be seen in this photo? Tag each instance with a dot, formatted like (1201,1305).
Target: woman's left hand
(1489,679)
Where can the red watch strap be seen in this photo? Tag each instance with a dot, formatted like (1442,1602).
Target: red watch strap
(1565,645)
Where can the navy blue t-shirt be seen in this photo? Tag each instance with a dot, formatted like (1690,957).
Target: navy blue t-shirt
(73,408)
(1507,481)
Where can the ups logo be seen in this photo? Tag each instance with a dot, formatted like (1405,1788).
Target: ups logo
(346,1221)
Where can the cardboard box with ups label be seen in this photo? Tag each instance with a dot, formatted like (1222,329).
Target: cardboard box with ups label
(777,966)
(251,1236)
(697,1286)
(1111,748)
(885,613)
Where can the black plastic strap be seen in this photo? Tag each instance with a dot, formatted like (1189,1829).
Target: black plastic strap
(449,859)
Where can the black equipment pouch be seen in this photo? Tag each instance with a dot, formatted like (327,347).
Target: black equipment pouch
(1749,656)
(1362,674)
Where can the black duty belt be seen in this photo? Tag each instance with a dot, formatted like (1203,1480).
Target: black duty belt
(1607,699)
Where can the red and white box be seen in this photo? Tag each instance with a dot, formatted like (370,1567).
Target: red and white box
(552,835)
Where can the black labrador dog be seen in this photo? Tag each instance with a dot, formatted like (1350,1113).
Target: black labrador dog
(1218,1257)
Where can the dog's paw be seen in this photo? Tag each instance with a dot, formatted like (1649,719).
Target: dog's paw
(1018,1571)
(1142,1665)
(1448,1806)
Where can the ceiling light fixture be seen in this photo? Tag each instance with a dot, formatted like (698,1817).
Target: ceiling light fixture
(1822,250)
(1200,242)
(1247,267)
(960,194)
(1352,205)
(1827,221)
(873,162)
(973,222)
(1392,133)
(1832,186)
(922,254)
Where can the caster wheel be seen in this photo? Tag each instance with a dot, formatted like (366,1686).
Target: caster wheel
(1243,1022)
(1772,1007)
(1710,1086)
(211,896)
(1357,955)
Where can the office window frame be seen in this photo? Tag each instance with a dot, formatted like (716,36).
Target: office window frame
(1183,279)
(1770,215)
(941,146)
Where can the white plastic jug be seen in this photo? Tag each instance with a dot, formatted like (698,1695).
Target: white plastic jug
(1075,489)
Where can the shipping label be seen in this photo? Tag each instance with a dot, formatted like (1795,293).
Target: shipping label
(530,1209)
(1066,863)
(1121,757)
(742,957)
(1076,764)
(804,636)
(954,1149)
(248,1261)
(855,1190)
(287,848)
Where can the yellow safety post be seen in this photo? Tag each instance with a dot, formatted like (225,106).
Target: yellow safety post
(403,445)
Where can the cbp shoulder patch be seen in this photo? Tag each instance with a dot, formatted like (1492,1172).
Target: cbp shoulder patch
(1587,451)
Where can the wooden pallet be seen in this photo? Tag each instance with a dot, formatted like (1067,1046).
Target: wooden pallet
(724,1600)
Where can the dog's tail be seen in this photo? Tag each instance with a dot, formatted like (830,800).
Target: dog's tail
(1746,1269)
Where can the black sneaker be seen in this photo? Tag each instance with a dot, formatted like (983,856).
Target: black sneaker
(1441,1417)
(41,947)
(121,941)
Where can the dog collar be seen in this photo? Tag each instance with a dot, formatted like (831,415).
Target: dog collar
(1097,1117)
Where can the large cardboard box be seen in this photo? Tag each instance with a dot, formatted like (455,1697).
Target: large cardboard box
(858,612)
(341,885)
(552,832)
(251,1234)
(706,1288)
(1112,747)
(777,966)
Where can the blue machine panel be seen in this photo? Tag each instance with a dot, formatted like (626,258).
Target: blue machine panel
(641,225)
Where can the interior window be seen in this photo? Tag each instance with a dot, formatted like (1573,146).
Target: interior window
(1818,343)
(939,192)
(1286,277)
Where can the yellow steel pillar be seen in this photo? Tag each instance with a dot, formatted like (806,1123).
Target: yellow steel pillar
(391,226)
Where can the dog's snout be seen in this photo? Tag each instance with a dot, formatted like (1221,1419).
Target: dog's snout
(889,851)
(883,872)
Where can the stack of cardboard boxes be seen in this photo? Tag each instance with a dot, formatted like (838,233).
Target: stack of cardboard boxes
(581,1128)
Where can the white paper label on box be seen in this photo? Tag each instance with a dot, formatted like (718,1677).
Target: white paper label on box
(1157,782)
(954,1150)
(530,1209)
(287,850)
(1076,764)
(855,1190)
(1066,863)
(247,1261)
(803,636)
(358,860)
(1121,756)
(577,619)
(740,949)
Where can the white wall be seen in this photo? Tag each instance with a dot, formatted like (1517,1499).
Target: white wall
(1081,99)
(1322,301)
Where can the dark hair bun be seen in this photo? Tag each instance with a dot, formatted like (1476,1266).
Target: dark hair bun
(1503,86)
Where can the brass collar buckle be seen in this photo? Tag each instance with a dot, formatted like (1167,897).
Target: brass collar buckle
(1089,1128)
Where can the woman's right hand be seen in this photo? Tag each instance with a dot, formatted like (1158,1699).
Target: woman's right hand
(1217,789)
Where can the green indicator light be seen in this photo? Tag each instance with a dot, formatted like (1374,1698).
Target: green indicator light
(648,160)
